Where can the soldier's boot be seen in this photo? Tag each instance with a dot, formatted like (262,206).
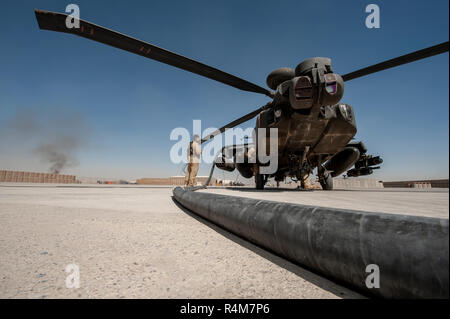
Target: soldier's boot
(305,183)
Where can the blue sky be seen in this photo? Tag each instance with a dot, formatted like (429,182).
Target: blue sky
(130,104)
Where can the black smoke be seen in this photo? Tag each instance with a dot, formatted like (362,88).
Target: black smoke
(60,153)
(54,137)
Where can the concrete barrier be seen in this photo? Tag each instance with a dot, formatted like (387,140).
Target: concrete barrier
(356,182)
(411,252)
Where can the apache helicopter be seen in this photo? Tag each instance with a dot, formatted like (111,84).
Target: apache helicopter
(315,130)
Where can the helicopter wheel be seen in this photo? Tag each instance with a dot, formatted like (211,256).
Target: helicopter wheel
(326,181)
(260,181)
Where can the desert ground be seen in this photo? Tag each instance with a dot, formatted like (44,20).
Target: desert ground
(137,242)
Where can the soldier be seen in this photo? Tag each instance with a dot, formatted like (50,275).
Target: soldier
(304,182)
(194,159)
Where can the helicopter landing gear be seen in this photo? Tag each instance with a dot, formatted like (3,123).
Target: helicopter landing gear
(325,179)
(260,181)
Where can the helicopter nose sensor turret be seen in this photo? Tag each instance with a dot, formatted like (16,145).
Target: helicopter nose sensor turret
(315,84)
(312,83)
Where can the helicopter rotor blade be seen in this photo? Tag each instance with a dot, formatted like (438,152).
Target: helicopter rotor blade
(407,58)
(240,120)
(54,21)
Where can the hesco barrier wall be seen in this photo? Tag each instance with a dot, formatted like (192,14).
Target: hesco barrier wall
(357,182)
(31,177)
(174,180)
(434,183)
(411,252)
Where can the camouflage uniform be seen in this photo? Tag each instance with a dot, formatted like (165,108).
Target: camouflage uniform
(194,159)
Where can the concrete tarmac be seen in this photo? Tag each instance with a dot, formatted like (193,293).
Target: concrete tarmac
(136,242)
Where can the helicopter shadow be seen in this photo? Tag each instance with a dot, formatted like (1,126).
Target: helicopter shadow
(337,289)
(265,190)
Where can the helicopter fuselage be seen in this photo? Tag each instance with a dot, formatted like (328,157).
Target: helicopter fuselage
(314,136)
(313,129)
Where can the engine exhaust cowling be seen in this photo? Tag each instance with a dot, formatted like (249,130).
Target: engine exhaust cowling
(342,161)
(224,164)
